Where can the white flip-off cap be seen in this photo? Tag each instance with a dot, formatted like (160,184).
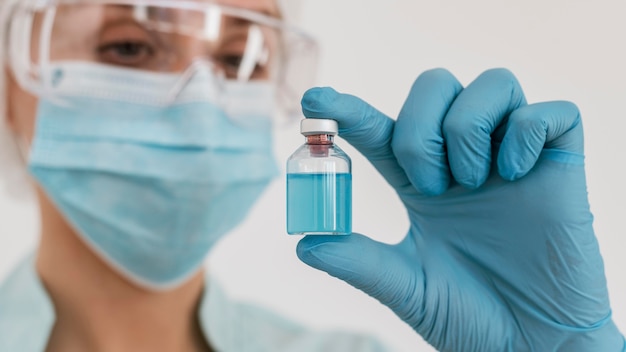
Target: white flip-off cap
(318,126)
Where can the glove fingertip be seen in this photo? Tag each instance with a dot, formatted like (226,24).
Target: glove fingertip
(425,166)
(310,247)
(511,164)
(473,180)
(338,256)
(469,159)
(316,101)
(510,172)
(521,145)
(434,190)
(304,249)
(434,184)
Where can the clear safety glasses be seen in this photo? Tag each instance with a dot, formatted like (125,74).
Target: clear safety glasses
(161,36)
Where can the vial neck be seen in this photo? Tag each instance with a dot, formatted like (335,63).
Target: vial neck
(320,139)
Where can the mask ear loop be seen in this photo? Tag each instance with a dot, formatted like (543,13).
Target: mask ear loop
(20,34)
(44,47)
(47,77)
(24,69)
(35,79)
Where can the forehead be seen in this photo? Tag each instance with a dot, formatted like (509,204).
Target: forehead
(269,7)
(92,15)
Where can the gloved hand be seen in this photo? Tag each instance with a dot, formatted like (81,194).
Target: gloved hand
(501,253)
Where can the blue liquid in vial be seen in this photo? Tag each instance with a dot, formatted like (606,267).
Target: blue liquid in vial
(319,204)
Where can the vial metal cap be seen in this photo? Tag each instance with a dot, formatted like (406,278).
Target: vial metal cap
(318,126)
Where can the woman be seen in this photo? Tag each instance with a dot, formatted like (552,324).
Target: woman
(202,78)
(147,132)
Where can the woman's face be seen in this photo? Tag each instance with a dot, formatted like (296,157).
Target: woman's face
(99,41)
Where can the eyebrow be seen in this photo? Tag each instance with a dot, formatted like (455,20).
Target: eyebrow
(268,8)
(269,13)
(274,12)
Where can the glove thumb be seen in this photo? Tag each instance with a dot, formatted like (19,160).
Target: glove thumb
(383,271)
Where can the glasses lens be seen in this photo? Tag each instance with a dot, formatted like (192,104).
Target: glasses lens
(163,39)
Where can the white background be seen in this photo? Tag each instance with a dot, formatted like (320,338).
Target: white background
(559,49)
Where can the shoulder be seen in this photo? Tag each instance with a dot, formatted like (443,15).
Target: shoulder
(26,313)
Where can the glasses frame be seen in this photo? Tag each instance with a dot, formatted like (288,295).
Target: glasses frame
(295,43)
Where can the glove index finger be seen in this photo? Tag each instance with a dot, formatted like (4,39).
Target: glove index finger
(363,126)
(366,128)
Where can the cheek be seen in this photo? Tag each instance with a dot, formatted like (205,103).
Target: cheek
(22,111)
(29,117)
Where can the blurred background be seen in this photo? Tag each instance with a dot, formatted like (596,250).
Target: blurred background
(559,49)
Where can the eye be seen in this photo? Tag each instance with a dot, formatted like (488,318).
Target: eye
(126,53)
(127,43)
(230,63)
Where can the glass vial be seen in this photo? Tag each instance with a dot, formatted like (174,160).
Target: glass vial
(319,183)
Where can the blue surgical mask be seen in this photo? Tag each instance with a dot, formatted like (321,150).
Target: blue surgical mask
(151,187)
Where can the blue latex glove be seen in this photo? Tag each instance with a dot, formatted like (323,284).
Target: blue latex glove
(501,254)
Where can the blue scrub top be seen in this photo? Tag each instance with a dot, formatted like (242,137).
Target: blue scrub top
(27,317)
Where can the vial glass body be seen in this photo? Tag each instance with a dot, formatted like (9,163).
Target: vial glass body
(319,189)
